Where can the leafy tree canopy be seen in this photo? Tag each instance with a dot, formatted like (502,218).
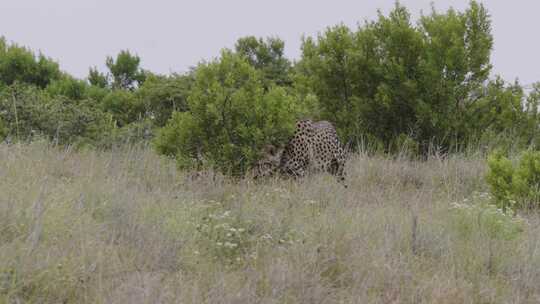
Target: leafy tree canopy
(266,56)
(19,64)
(125,70)
(163,95)
(390,78)
(97,78)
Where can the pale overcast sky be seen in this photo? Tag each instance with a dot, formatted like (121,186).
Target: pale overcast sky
(171,36)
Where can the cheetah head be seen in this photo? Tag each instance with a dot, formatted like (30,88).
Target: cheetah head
(268,165)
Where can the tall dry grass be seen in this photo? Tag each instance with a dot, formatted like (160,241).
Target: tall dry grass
(125,226)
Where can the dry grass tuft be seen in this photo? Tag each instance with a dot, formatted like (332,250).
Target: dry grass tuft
(126,227)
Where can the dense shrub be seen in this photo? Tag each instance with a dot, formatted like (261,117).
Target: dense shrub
(27,111)
(141,131)
(181,138)
(96,93)
(75,122)
(499,178)
(515,185)
(162,95)
(124,107)
(69,87)
(231,117)
(22,108)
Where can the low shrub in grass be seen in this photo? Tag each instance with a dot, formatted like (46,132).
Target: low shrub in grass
(515,184)
(477,214)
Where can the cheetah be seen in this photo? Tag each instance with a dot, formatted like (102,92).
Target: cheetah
(315,147)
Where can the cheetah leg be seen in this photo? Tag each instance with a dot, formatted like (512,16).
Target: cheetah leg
(300,173)
(337,168)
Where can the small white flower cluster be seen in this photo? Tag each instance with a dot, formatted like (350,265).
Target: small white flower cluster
(310,202)
(282,193)
(225,214)
(483,195)
(288,238)
(481,200)
(480,205)
(230,236)
(267,237)
(227,244)
(240,230)
(279,193)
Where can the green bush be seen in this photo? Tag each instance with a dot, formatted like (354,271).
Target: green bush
(75,122)
(231,117)
(499,178)
(162,95)
(515,185)
(133,133)
(27,111)
(526,179)
(96,93)
(124,107)
(22,109)
(69,87)
(181,138)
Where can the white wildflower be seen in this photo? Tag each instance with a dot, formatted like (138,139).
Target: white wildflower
(266,237)
(230,245)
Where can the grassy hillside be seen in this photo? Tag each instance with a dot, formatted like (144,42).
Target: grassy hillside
(127,227)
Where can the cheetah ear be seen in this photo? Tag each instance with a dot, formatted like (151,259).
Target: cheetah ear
(270,149)
(279,151)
